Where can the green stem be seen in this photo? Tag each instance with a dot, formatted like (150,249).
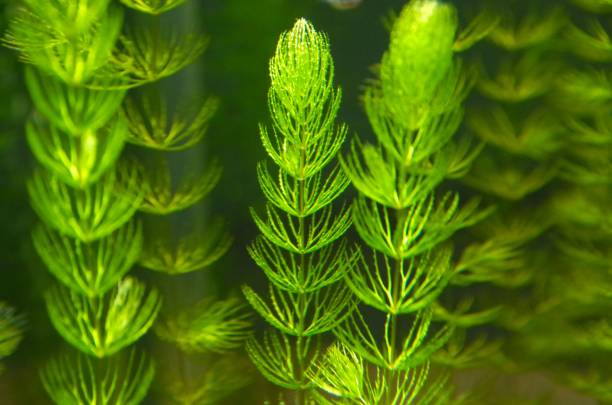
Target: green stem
(301,298)
(401,217)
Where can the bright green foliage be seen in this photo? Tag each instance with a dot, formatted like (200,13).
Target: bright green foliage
(91,213)
(73,53)
(273,357)
(11,331)
(317,192)
(78,380)
(414,349)
(326,267)
(75,144)
(89,268)
(145,55)
(396,304)
(319,310)
(153,127)
(72,109)
(284,230)
(89,240)
(76,161)
(344,374)
(403,171)
(153,6)
(414,108)
(426,31)
(418,284)
(209,326)
(66,16)
(296,249)
(425,224)
(103,326)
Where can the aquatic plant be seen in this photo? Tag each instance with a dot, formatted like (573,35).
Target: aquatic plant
(210,328)
(298,249)
(88,238)
(414,108)
(433,281)
(522,138)
(573,299)
(81,67)
(77,80)
(11,331)
(541,120)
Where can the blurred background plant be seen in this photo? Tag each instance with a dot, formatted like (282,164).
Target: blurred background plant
(501,258)
(571,293)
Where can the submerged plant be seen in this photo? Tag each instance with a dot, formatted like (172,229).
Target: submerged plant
(88,239)
(11,331)
(80,66)
(112,380)
(208,331)
(431,283)
(298,249)
(573,299)
(414,108)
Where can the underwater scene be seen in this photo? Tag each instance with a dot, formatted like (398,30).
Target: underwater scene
(306,202)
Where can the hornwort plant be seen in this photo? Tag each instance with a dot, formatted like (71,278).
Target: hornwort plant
(80,67)
(298,248)
(385,318)
(414,106)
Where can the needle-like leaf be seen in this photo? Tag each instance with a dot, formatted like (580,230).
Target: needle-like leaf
(78,380)
(103,326)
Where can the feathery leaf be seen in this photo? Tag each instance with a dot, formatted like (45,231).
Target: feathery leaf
(103,326)
(77,161)
(192,252)
(89,268)
(210,325)
(152,126)
(91,213)
(121,380)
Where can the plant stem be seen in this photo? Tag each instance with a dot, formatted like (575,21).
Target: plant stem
(401,217)
(301,298)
